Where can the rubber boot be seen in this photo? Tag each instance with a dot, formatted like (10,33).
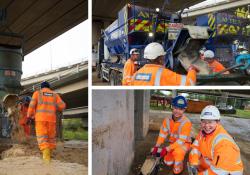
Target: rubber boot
(46,155)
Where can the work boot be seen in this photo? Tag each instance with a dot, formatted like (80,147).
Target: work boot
(46,155)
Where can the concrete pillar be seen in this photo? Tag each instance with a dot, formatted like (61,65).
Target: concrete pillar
(142,102)
(96,33)
(174,93)
(113,131)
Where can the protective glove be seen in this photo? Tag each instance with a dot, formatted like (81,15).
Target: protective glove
(30,121)
(154,152)
(163,152)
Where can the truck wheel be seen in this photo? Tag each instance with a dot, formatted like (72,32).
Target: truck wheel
(112,78)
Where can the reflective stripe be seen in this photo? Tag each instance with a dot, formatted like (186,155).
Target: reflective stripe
(183,80)
(42,136)
(183,137)
(181,126)
(221,171)
(164,129)
(162,135)
(169,163)
(128,76)
(195,151)
(46,111)
(174,135)
(219,138)
(158,76)
(177,163)
(196,143)
(239,160)
(180,142)
(168,124)
(191,82)
(205,172)
(47,103)
(40,100)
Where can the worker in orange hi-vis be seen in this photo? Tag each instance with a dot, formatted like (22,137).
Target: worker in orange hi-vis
(214,65)
(155,74)
(43,108)
(24,104)
(178,128)
(130,67)
(214,151)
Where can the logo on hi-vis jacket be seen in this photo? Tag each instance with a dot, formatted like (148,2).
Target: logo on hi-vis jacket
(143,77)
(48,94)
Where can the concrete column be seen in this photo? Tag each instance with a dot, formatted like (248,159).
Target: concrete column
(142,102)
(113,131)
(96,33)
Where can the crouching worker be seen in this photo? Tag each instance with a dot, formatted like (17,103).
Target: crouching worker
(214,151)
(178,128)
(43,107)
(24,104)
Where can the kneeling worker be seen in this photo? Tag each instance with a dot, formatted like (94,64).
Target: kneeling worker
(130,67)
(155,74)
(178,128)
(214,151)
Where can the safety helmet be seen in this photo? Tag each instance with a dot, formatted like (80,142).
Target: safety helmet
(179,102)
(45,84)
(134,51)
(26,99)
(210,112)
(153,50)
(208,54)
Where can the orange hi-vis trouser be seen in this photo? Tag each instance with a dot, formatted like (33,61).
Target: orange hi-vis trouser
(46,134)
(176,157)
(128,72)
(180,141)
(216,153)
(157,75)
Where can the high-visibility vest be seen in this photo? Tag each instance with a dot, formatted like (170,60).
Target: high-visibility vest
(217,67)
(157,75)
(219,150)
(177,131)
(44,105)
(128,72)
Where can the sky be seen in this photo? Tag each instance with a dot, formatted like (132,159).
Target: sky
(71,47)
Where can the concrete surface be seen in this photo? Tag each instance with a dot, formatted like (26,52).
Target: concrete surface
(141,113)
(113,131)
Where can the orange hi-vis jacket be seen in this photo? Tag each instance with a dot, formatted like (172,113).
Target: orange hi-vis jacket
(44,105)
(217,67)
(219,153)
(157,75)
(128,72)
(178,132)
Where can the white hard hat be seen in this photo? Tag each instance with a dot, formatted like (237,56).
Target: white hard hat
(210,113)
(153,50)
(208,54)
(134,51)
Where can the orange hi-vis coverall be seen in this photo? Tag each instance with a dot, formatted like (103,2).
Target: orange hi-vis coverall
(128,72)
(23,120)
(179,138)
(44,105)
(216,153)
(157,75)
(217,67)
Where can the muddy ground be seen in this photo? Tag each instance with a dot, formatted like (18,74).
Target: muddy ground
(238,128)
(69,158)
